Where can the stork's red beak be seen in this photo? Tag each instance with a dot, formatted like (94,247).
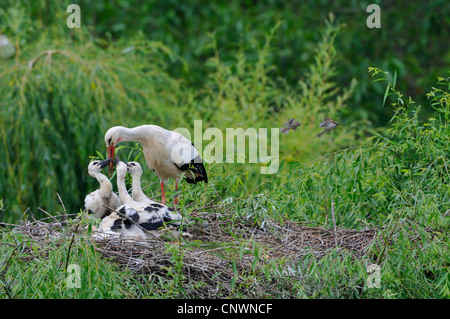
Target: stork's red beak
(111,151)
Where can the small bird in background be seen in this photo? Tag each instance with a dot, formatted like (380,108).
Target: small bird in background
(289,125)
(328,124)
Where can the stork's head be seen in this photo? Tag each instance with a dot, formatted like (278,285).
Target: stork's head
(134,168)
(121,169)
(112,138)
(96,166)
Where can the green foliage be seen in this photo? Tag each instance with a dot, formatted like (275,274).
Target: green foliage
(416,50)
(261,64)
(58,101)
(37,270)
(50,129)
(398,183)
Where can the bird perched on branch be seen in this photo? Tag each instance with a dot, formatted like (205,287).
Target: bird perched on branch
(328,124)
(101,201)
(169,154)
(289,125)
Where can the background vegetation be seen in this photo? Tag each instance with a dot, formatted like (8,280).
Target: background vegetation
(239,64)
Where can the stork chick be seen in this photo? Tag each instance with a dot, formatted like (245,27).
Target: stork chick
(168,215)
(104,229)
(96,201)
(125,228)
(147,214)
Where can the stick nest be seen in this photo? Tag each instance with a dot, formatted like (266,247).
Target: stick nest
(223,248)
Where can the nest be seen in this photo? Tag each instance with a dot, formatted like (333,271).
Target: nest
(220,250)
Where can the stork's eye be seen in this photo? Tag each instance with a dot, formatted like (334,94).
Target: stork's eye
(95,163)
(109,141)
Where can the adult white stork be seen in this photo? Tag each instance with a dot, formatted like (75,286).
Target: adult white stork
(96,201)
(147,215)
(169,154)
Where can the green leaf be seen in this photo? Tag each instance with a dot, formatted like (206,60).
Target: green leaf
(394,81)
(386,93)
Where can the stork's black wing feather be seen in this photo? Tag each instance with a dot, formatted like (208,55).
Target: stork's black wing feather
(195,167)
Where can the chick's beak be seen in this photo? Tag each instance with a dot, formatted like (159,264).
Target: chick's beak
(105,162)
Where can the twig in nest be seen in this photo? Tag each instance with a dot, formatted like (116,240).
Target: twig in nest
(48,214)
(25,212)
(64,218)
(208,205)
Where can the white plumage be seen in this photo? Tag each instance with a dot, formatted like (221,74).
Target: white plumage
(167,214)
(96,201)
(126,229)
(148,215)
(104,229)
(128,204)
(168,153)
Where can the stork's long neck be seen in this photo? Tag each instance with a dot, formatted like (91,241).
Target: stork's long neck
(142,134)
(149,136)
(105,184)
(137,192)
(123,193)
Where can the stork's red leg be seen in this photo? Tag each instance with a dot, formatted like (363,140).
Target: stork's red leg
(163,194)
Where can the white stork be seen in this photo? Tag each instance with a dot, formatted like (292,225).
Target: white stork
(125,228)
(104,229)
(147,215)
(96,201)
(167,214)
(169,154)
